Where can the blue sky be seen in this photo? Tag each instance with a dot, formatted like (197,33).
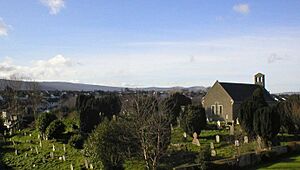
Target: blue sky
(152,42)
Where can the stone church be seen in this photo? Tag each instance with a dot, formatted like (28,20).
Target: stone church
(223,99)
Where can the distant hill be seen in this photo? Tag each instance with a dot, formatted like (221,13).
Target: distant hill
(67,86)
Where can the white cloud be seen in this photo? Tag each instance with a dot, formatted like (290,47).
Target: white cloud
(3,28)
(55,68)
(54,5)
(241,8)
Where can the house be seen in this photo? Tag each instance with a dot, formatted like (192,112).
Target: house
(223,99)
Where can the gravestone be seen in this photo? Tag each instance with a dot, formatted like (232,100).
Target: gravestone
(60,158)
(26,154)
(16,152)
(91,166)
(237,121)
(219,124)
(71,166)
(212,146)
(36,150)
(41,145)
(237,143)
(51,155)
(39,136)
(246,139)
(217,138)
(53,147)
(195,139)
(207,120)
(213,153)
(64,147)
(30,134)
(64,158)
(86,164)
(172,129)
(184,135)
(231,130)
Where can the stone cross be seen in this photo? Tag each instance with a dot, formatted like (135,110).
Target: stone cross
(217,138)
(246,139)
(195,140)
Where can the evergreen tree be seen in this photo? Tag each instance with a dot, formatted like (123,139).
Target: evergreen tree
(248,108)
(194,119)
(266,124)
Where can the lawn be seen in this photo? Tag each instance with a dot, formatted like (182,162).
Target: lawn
(286,163)
(28,158)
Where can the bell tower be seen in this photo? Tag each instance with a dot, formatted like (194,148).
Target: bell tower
(259,79)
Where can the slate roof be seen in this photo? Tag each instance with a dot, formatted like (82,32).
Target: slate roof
(239,92)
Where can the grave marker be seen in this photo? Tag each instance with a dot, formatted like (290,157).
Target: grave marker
(217,138)
(246,139)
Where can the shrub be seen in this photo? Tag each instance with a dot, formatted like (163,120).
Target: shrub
(44,121)
(55,129)
(76,141)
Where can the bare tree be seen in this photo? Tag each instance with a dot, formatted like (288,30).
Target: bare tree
(151,123)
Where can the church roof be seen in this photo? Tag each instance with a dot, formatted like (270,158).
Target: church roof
(239,92)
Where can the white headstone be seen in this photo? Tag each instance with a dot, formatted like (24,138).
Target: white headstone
(41,145)
(64,158)
(246,139)
(237,121)
(213,153)
(212,145)
(219,124)
(184,135)
(51,155)
(71,166)
(237,143)
(91,166)
(16,152)
(195,139)
(64,146)
(86,164)
(36,150)
(53,147)
(217,138)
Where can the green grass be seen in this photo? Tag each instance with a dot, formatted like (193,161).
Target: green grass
(42,160)
(286,163)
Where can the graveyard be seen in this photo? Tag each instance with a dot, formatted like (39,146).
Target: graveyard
(25,149)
